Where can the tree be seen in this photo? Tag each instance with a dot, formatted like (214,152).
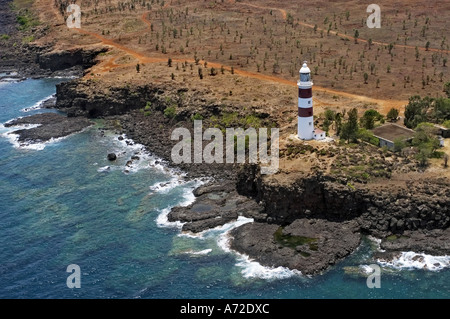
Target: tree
(200,73)
(138,68)
(367,136)
(447,89)
(326,125)
(399,145)
(366,77)
(422,157)
(368,122)
(441,110)
(416,111)
(356,36)
(393,115)
(425,138)
(330,115)
(390,47)
(427,46)
(349,130)
(169,62)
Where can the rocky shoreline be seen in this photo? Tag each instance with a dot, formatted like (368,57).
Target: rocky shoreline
(47,126)
(309,223)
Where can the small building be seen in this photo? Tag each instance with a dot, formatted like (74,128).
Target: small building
(443,131)
(319,135)
(389,133)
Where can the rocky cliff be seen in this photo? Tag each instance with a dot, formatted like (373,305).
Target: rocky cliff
(304,221)
(381,211)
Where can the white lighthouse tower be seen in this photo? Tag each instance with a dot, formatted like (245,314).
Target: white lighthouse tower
(305,105)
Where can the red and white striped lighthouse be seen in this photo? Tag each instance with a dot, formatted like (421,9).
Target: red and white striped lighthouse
(305,105)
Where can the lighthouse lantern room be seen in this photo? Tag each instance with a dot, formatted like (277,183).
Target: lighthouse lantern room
(305,105)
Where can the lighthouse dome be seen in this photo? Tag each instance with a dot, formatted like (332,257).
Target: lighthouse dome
(305,69)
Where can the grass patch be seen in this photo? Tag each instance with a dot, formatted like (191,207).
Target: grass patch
(4,37)
(170,112)
(28,39)
(294,241)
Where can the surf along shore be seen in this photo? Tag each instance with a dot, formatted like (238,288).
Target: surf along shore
(307,217)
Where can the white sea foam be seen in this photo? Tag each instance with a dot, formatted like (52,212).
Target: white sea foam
(9,133)
(38,104)
(197,253)
(188,198)
(34,146)
(165,187)
(64,77)
(146,160)
(163,220)
(251,268)
(366,269)
(412,260)
(104,169)
(376,242)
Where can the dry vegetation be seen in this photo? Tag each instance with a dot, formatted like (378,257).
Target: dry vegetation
(249,52)
(267,38)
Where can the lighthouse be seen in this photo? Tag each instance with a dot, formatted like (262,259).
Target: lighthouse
(305,105)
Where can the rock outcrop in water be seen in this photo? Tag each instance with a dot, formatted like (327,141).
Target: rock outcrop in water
(51,125)
(302,221)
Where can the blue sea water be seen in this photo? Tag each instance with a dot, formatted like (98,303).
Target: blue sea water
(63,203)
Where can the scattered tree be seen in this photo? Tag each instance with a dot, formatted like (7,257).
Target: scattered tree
(350,128)
(366,77)
(393,115)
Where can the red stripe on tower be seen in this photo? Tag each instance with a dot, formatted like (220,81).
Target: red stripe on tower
(305,112)
(305,93)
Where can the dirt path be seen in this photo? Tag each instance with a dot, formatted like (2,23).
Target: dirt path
(284,14)
(111,64)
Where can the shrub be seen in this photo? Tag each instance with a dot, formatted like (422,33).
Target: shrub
(197,117)
(170,112)
(367,136)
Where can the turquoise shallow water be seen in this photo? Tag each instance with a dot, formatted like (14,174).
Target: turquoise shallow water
(60,205)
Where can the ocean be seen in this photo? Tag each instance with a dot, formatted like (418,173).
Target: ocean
(64,203)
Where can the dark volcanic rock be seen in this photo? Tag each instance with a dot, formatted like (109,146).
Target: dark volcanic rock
(217,204)
(52,125)
(62,60)
(308,245)
(435,242)
(112,157)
